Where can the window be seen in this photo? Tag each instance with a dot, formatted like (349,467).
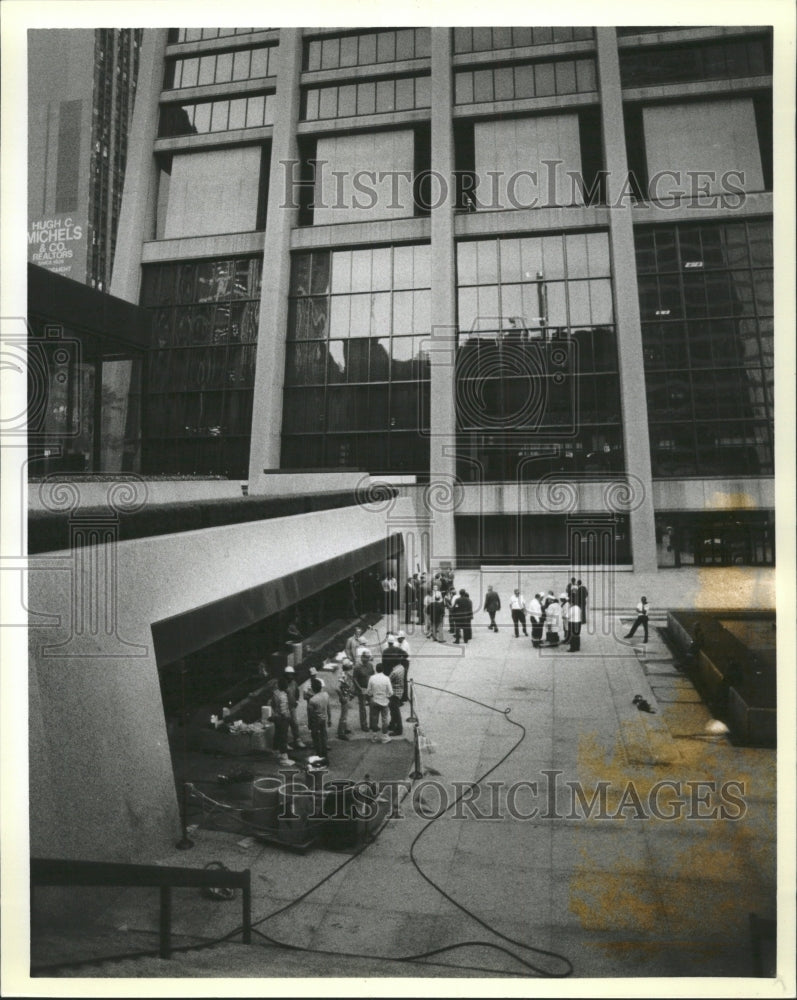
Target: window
(486,39)
(198,402)
(537,383)
(199,117)
(365,98)
(242,64)
(357,368)
(652,66)
(366,49)
(735,538)
(707,329)
(524,80)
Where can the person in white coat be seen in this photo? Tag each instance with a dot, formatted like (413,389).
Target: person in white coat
(564,604)
(553,621)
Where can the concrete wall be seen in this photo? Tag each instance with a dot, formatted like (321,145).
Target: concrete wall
(714,494)
(95,494)
(101,783)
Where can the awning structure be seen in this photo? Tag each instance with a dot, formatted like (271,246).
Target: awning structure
(182,634)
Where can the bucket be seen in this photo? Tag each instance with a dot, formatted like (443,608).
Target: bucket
(265,801)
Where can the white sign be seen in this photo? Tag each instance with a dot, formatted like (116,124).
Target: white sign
(53,243)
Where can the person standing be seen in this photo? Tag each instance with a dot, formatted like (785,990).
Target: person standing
(553,621)
(345,694)
(581,598)
(642,608)
(438,609)
(387,595)
(449,597)
(391,654)
(319,711)
(292,690)
(410,598)
(404,646)
(281,716)
(463,616)
(397,681)
(428,613)
(570,588)
(362,673)
(353,643)
(536,615)
(379,692)
(422,595)
(492,605)
(517,606)
(565,605)
(575,627)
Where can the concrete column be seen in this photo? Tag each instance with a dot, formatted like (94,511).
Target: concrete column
(442,458)
(140,192)
(281,218)
(633,396)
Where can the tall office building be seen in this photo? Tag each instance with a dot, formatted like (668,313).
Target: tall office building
(532,266)
(81,90)
(525,274)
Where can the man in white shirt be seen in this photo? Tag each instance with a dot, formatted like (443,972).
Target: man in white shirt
(517,606)
(642,619)
(353,643)
(379,693)
(536,615)
(576,615)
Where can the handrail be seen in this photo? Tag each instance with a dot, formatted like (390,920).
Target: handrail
(59,871)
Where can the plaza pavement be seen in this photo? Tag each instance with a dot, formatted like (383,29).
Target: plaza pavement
(629,896)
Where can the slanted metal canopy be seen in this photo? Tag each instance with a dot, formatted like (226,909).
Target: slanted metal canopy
(182,634)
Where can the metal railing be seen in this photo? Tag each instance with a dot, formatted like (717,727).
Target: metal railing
(57,871)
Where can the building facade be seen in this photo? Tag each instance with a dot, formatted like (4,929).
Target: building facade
(522,275)
(531,267)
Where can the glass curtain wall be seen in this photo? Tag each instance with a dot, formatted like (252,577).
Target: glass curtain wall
(706,304)
(357,368)
(537,378)
(197,409)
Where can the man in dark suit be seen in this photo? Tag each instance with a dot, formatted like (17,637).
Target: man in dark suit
(463,616)
(581,595)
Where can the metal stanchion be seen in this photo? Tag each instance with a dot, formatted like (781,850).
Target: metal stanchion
(412,717)
(185,841)
(417,773)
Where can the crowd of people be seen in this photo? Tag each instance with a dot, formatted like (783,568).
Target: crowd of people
(378,687)
(553,619)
